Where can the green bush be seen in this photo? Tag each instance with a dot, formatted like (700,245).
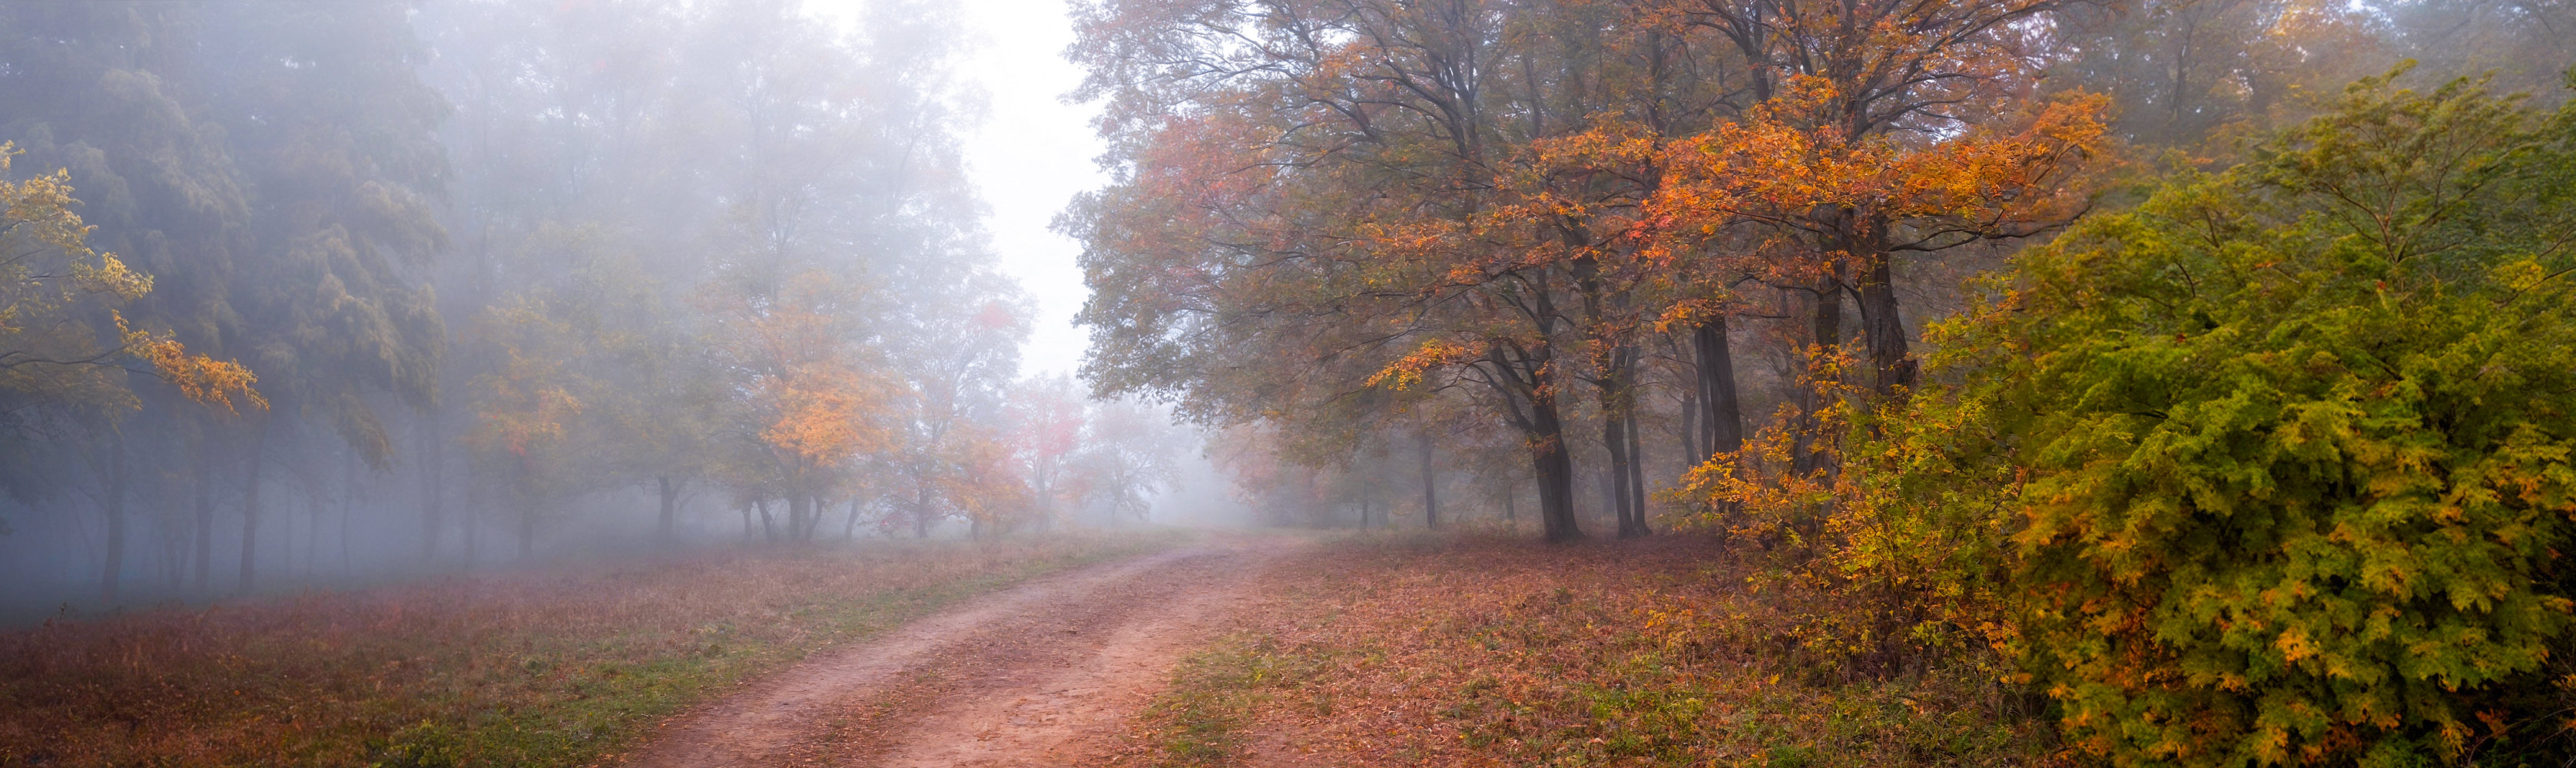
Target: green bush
(2293,446)
(422,745)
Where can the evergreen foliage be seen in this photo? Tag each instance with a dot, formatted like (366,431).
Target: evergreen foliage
(2290,448)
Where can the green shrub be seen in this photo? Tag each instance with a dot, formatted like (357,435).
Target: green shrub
(2294,443)
(422,745)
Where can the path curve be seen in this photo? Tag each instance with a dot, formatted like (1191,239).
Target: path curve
(1042,673)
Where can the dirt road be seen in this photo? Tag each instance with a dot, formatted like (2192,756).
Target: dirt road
(1043,673)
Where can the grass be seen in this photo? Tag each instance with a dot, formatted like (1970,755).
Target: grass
(554,668)
(1485,651)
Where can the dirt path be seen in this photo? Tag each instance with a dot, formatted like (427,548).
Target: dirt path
(1042,673)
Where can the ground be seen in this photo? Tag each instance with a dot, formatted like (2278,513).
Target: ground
(1042,673)
(1255,649)
(1482,650)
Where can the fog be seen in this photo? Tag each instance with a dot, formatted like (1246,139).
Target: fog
(306,295)
(513,281)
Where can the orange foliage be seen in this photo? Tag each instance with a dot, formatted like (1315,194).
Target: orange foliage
(824,413)
(201,378)
(1789,167)
(525,405)
(815,389)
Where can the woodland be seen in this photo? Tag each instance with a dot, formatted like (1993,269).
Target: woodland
(317,291)
(2196,378)
(2202,367)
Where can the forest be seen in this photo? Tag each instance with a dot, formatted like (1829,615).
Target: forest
(348,290)
(1600,382)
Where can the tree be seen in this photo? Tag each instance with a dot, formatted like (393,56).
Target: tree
(58,357)
(1352,198)
(56,294)
(1127,457)
(1048,414)
(815,398)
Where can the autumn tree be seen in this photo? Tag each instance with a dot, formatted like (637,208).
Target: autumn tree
(432,230)
(955,373)
(1047,415)
(1362,189)
(815,398)
(1130,452)
(66,349)
(525,428)
(110,94)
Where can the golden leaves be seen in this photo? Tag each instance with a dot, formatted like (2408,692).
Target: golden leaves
(52,280)
(823,413)
(1788,163)
(528,403)
(1407,373)
(809,379)
(202,379)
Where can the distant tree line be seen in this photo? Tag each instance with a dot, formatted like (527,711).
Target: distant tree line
(364,288)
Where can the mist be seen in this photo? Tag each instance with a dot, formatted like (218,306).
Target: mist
(466,285)
(435,383)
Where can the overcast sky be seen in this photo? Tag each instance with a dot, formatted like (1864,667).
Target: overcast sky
(1030,157)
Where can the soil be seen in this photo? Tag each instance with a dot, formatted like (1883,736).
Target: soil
(1043,673)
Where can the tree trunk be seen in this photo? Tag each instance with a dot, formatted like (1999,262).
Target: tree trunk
(470,524)
(921,512)
(312,534)
(1607,483)
(1890,363)
(1511,503)
(1690,425)
(1826,326)
(258,461)
(205,492)
(114,505)
(1430,494)
(670,509)
(1364,514)
(1618,435)
(797,505)
(1554,470)
(347,507)
(1723,423)
(1614,438)
(433,490)
(1636,483)
(850,525)
(527,526)
(768,532)
(174,546)
(347,513)
(527,512)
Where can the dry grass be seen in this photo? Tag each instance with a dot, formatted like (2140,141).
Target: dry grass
(560,667)
(1484,651)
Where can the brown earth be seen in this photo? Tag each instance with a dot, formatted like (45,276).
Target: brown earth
(1045,673)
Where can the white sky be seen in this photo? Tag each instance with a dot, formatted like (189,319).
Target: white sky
(1033,154)
(1028,159)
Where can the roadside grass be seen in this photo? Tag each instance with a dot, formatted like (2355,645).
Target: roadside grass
(1484,651)
(560,667)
